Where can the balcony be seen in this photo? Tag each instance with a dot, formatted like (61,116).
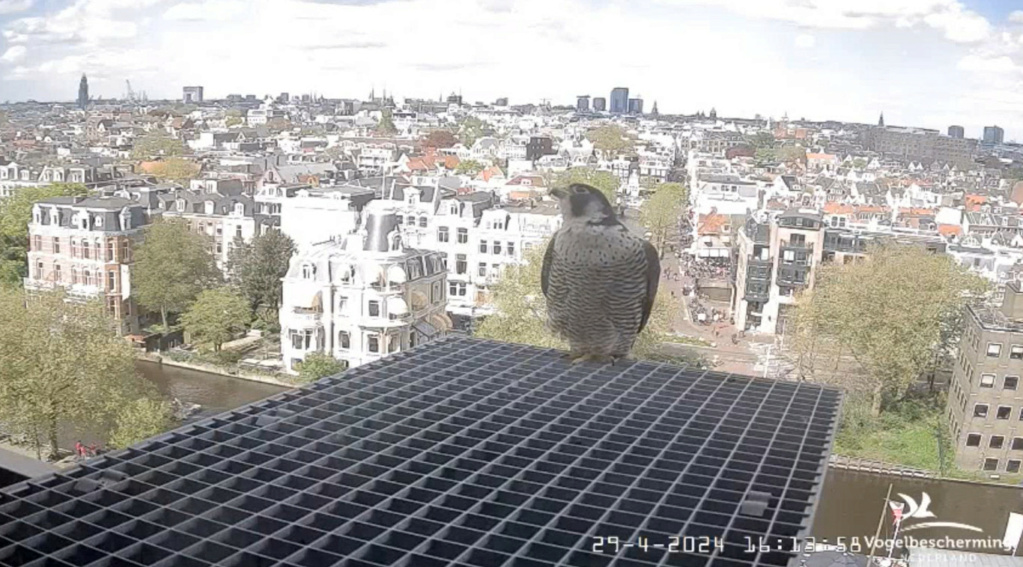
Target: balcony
(37,285)
(804,245)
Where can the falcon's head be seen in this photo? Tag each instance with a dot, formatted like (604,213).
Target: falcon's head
(582,203)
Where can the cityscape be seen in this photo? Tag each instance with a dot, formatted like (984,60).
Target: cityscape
(246,320)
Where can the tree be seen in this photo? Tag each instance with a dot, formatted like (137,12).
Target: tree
(859,163)
(318,365)
(15,214)
(278,124)
(761,140)
(470,130)
(157,143)
(233,113)
(175,169)
(440,139)
(216,317)
(660,213)
(790,153)
(139,420)
(612,140)
(258,268)
(232,121)
(603,180)
(521,312)
(172,267)
(469,167)
(386,126)
(892,316)
(63,364)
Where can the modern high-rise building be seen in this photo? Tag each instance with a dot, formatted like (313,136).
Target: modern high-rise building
(619,100)
(83,92)
(956,132)
(582,103)
(993,135)
(635,106)
(599,104)
(191,95)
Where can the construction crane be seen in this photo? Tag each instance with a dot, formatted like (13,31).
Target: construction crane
(130,95)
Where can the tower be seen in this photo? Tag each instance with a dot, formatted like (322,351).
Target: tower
(880,121)
(83,93)
(653,111)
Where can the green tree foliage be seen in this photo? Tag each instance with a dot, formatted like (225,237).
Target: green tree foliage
(257,270)
(787,154)
(139,420)
(233,113)
(859,163)
(761,140)
(318,365)
(232,121)
(522,313)
(611,140)
(216,317)
(440,139)
(157,143)
(470,130)
(469,167)
(63,364)
(386,126)
(175,170)
(660,213)
(15,214)
(172,267)
(876,325)
(278,124)
(606,181)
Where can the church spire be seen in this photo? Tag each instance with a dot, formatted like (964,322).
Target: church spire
(880,121)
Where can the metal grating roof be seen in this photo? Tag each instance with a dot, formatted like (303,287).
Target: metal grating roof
(462,452)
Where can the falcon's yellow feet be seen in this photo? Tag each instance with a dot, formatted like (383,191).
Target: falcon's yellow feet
(576,359)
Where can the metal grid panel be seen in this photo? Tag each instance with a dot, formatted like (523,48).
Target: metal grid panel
(462,452)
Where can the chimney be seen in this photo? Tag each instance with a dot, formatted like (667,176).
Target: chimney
(1012,303)
(378,227)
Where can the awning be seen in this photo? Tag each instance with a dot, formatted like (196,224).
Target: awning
(373,273)
(396,306)
(419,300)
(426,329)
(441,321)
(396,274)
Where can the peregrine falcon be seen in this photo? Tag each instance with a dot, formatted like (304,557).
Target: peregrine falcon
(599,279)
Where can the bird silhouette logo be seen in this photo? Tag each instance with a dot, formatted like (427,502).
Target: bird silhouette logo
(921,511)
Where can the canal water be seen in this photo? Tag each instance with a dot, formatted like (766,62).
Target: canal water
(852,502)
(215,393)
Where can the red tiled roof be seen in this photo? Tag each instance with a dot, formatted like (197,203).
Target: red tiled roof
(950,230)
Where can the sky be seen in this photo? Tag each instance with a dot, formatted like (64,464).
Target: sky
(928,63)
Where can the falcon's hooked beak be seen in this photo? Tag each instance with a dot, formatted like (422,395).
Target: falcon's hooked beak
(559,193)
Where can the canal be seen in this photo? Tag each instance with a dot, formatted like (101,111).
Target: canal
(215,393)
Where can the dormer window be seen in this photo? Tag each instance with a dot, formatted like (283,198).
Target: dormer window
(209,207)
(181,205)
(308,271)
(239,209)
(98,221)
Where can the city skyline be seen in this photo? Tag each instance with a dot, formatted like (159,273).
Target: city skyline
(927,63)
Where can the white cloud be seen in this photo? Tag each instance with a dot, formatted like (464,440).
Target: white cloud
(805,41)
(978,63)
(14,54)
(213,10)
(1016,17)
(14,6)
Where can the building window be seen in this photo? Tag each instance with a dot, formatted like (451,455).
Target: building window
(39,271)
(393,343)
(344,340)
(220,230)
(497,247)
(308,271)
(56,273)
(461,264)
(453,290)
(85,250)
(422,222)
(374,343)
(411,221)
(87,277)
(980,410)
(220,248)
(511,248)
(1010,383)
(37,243)
(483,246)
(1004,412)
(296,340)
(74,281)
(996,442)
(442,234)
(111,281)
(56,245)
(1017,443)
(973,440)
(987,380)
(482,270)
(1016,352)
(110,251)
(994,350)
(74,248)
(238,231)
(374,308)
(1012,467)
(990,464)
(463,235)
